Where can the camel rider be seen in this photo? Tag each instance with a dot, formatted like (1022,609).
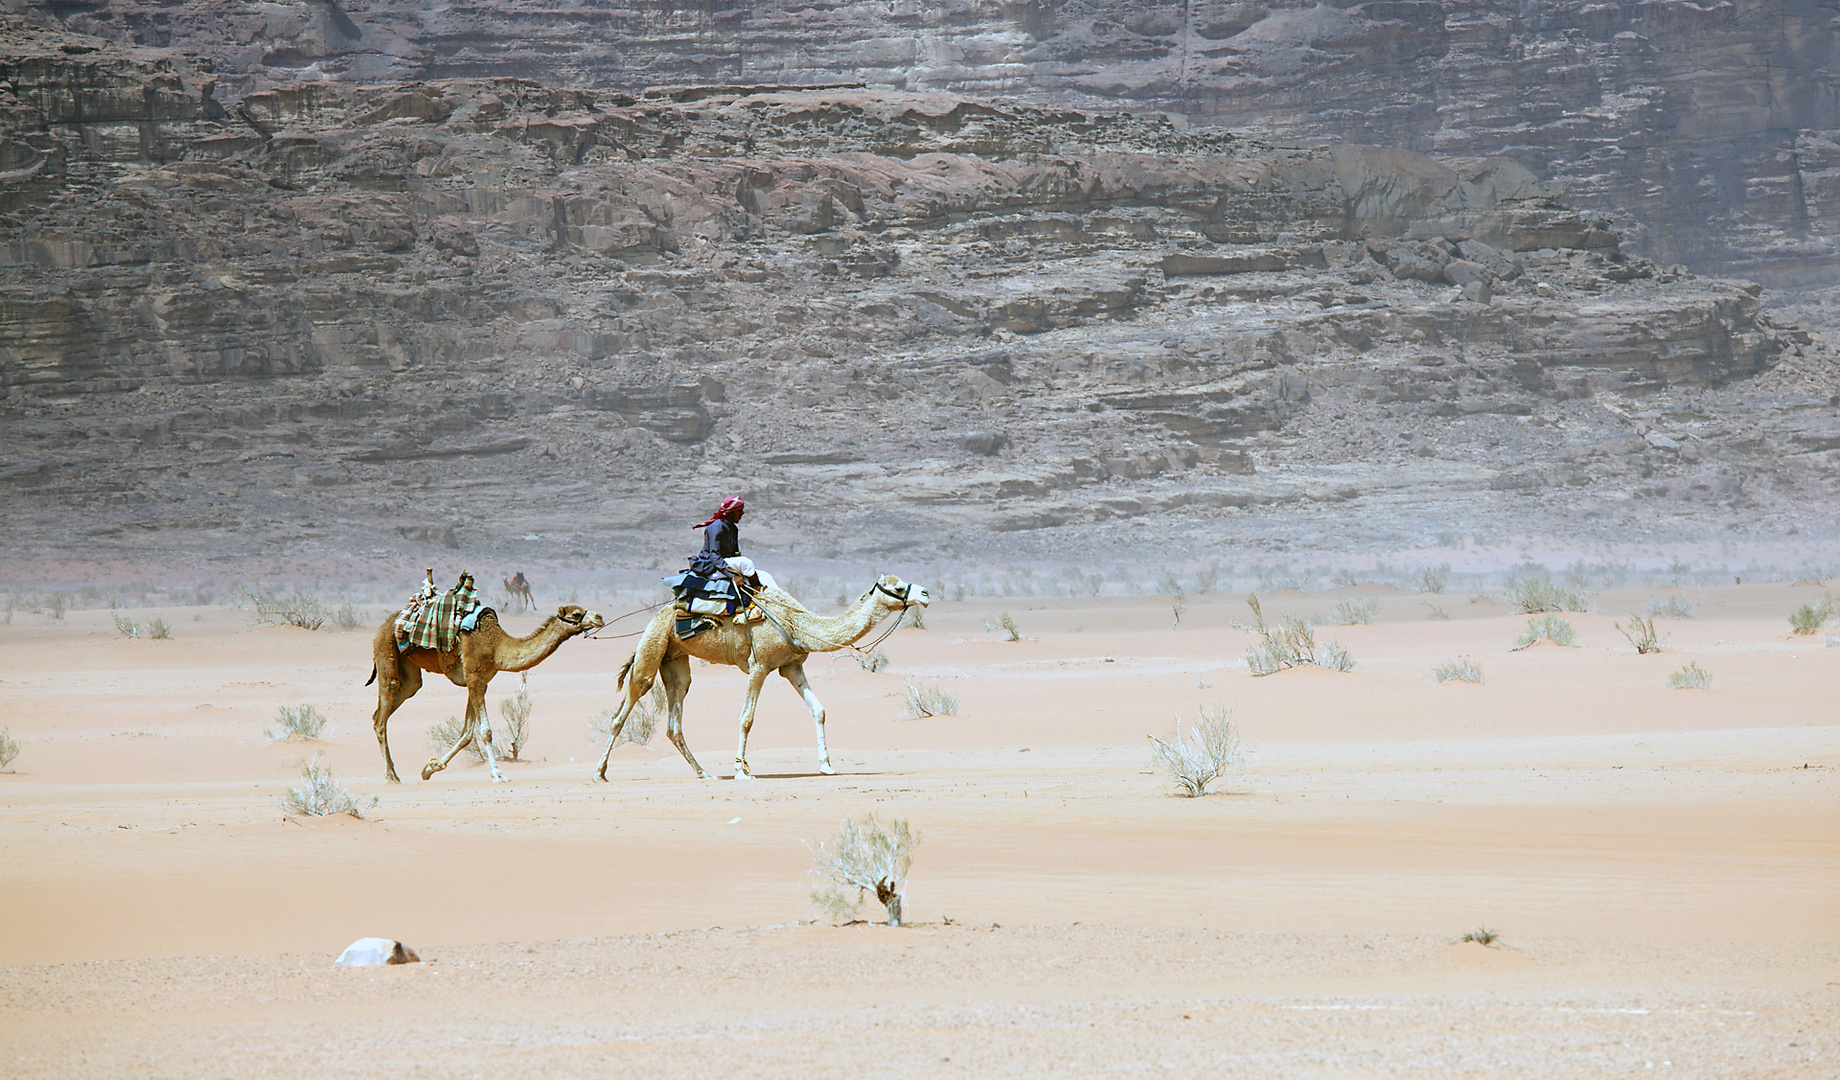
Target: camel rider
(722,547)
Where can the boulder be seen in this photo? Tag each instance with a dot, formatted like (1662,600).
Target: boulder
(1462,272)
(376,952)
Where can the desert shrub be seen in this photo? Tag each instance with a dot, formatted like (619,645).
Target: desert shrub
(1460,670)
(1094,584)
(9,749)
(1433,579)
(514,712)
(874,661)
(442,737)
(1674,607)
(318,794)
(1482,935)
(1209,749)
(1546,628)
(1207,577)
(295,608)
(1335,658)
(126,626)
(159,629)
(347,618)
(59,605)
(1167,582)
(1435,611)
(1691,677)
(641,724)
(1002,621)
(1289,644)
(1176,607)
(1356,610)
(295,722)
(1810,617)
(1529,597)
(865,857)
(914,616)
(1641,634)
(929,699)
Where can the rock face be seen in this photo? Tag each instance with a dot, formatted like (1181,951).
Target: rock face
(905,321)
(1710,129)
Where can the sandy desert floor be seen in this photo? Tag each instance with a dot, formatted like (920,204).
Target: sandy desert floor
(1663,866)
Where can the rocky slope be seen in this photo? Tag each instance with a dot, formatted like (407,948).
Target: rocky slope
(503,317)
(1708,128)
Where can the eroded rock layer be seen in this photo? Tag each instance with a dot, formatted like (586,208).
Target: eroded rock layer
(465,312)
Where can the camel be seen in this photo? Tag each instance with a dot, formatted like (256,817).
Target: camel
(760,648)
(519,590)
(476,657)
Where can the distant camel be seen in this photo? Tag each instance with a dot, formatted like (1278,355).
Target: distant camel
(519,590)
(477,656)
(760,649)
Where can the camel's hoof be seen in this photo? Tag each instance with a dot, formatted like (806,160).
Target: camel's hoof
(430,769)
(498,778)
(743,774)
(827,768)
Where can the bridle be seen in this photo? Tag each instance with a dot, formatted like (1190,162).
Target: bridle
(907,588)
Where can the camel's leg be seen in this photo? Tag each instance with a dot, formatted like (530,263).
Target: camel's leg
(676,675)
(482,732)
(795,674)
(756,679)
(646,663)
(395,685)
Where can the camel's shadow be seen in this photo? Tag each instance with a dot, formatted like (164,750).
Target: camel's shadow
(808,775)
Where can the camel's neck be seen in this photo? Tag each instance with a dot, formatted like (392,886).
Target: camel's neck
(824,633)
(522,654)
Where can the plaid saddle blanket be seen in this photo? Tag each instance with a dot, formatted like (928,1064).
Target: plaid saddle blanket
(435,622)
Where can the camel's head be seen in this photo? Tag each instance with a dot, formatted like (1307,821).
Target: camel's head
(576,615)
(896,593)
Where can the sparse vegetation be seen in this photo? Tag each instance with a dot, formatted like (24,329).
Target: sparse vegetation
(1002,621)
(874,661)
(1482,935)
(914,617)
(868,858)
(1529,597)
(1810,617)
(1674,607)
(318,794)
(1094,584)
(1691,677)
(1433,579)
(641,724)
(1435,612)
(9,749)
(1356,610)
(929,699)
(1641,634)
(1195,760)
(295,722)
(1207,577)
(514,711)
(159,629)
(127,626)
(1290,644)
(1459,670)
(1546,628)
(1176,608)
(347,618)
(59,604)
(295,608)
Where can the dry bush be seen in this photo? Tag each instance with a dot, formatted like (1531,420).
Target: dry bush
(348,618)
(318,794)
(1433,579)
(1691,677)
(1435,612)
(1810,617)
(914,616)
(1290,644)
(1460,670)
(1482,935)
(872,662)
(59,604)
(1335,658)
(1176,608)
(9,749)
(1641,634)
(929,699)
(1674,607)
(1002,621)
(1207,577)
(127,627)
(295,722)
(1356,610)
(295,608)
(514,711)
(159,629)
(868,858)
(1209,749)
(1529,597)
(641,723)
(1094,583)
(1546,628)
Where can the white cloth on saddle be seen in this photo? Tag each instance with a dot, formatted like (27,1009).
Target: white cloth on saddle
(744,566)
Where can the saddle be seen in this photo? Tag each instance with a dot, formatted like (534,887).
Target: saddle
(700,601)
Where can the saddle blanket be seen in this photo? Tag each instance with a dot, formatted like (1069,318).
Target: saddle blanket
(435,622)
(703,596)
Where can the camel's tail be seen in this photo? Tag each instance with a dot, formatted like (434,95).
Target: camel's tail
(625,671)
(373,677)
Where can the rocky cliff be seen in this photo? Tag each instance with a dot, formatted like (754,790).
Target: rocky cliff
(1708,129)
(491,314)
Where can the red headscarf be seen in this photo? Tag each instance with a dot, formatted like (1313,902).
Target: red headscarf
(730,510)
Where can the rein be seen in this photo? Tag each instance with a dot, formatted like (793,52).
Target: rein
(598,636)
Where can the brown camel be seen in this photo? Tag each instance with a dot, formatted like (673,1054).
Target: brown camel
(519,590)
(760,648)
(476,657)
